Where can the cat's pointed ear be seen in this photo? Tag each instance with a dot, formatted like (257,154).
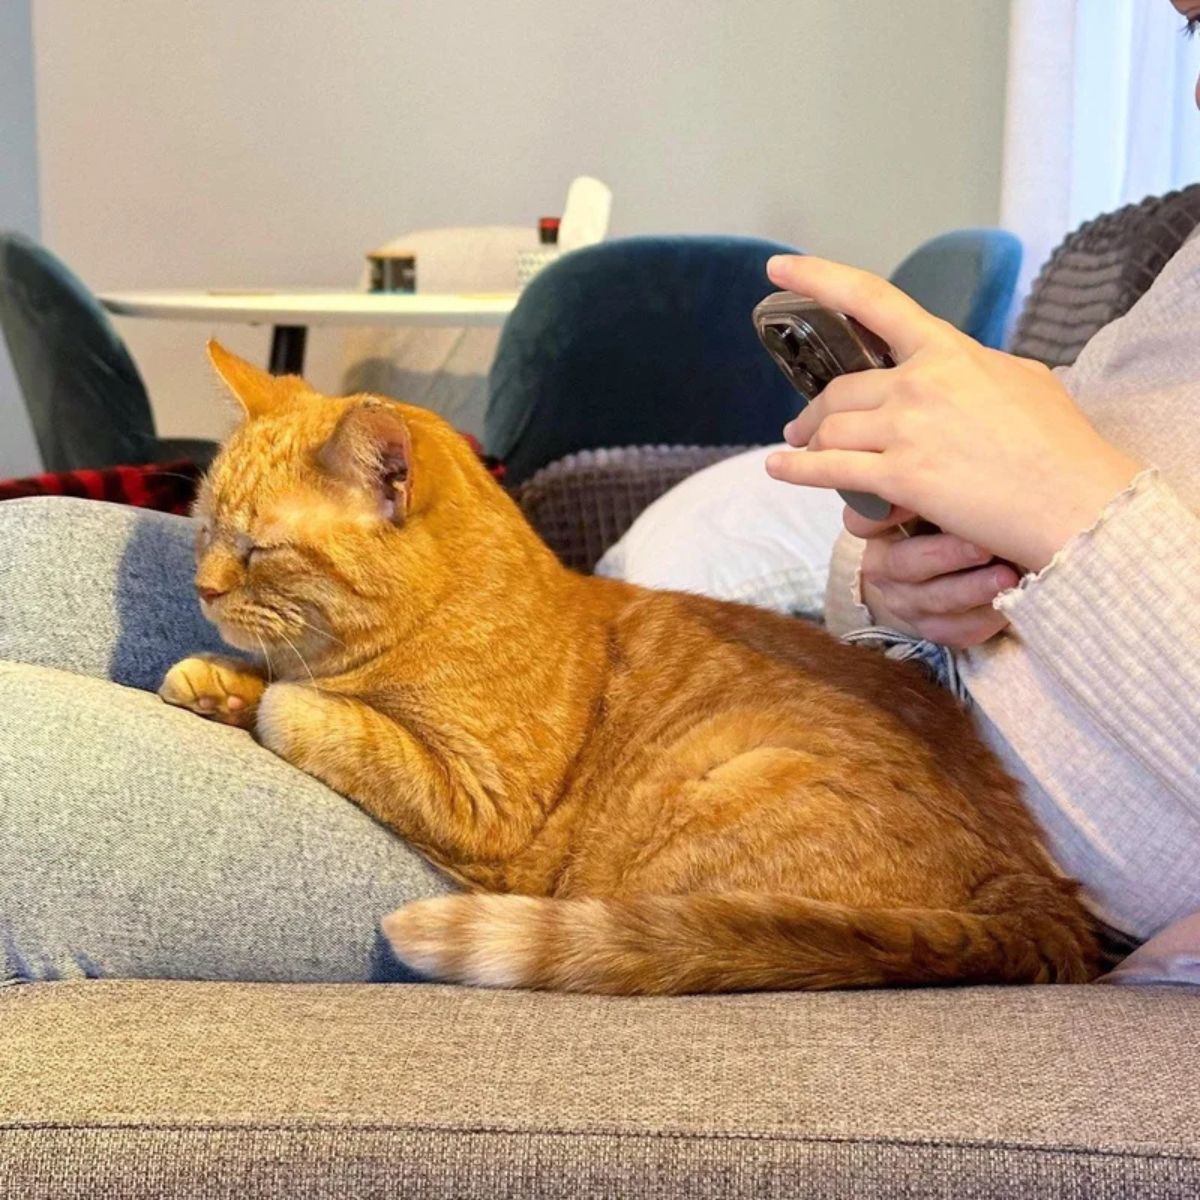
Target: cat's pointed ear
(371,448)
(258,391)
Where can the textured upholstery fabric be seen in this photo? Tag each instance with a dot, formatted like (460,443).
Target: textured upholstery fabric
(638,341)
(86,400)
(584,502)
(1099,272)
(146,1089)
(966,277)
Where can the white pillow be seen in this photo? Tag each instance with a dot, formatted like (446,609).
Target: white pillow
(733,532)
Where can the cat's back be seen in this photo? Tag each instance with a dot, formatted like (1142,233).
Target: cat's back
(678,652)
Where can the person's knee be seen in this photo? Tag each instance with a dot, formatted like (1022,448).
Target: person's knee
(76,540)
(98,589)
(70,514)
(30,517)
(35,507)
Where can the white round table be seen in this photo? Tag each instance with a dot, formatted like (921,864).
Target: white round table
(291,312)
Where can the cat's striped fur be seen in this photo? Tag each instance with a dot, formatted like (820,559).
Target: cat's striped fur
(641,792)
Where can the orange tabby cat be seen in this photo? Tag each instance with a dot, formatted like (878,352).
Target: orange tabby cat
(644,792)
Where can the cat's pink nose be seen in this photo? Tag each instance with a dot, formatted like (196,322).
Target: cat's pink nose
(208,595)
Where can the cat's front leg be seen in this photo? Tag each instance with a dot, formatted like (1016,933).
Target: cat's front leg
(215,686)
(456,809)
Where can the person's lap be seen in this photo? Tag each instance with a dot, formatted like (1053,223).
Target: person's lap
(139,840)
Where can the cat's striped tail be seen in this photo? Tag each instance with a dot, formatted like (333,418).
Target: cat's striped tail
(1019,929)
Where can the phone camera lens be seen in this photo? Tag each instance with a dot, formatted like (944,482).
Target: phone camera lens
(775,340)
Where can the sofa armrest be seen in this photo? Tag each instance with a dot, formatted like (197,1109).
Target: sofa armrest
(583,503)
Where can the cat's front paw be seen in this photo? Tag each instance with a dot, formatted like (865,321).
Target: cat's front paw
(222,689)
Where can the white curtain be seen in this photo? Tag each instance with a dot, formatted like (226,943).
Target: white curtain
(1100,113)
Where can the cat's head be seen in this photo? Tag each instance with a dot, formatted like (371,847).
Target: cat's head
(322,516)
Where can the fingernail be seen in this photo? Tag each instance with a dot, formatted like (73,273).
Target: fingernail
(775,262)
(774,463)
(977,553)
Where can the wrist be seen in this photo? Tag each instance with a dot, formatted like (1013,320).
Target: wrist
(1079,507)
(876,606)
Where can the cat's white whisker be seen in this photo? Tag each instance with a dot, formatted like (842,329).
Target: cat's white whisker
(266,659)
(321,632)
(303,661)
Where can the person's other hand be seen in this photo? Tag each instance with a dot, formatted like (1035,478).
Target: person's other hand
(985,445)
(931,585)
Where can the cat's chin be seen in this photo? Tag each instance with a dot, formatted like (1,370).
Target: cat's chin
(240,639)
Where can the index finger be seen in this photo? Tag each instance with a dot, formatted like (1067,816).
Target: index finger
(879,305)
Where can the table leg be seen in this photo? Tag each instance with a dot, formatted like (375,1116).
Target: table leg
(287,349)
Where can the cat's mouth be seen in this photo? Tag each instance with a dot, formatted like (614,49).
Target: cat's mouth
(269,633)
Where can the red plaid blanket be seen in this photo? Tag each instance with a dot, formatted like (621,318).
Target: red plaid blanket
(167,487)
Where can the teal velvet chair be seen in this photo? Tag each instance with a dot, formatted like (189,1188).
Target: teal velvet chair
(966,277)
(85,397)
(638,341)
(648,341)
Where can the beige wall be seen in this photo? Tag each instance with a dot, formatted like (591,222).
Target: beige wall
(18,209)
(272,141)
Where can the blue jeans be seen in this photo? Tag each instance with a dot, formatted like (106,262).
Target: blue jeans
(138,840)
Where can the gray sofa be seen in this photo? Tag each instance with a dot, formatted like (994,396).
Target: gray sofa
(147,1089)
(144,1089)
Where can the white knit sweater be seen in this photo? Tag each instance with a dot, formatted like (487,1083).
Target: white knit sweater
(1092,695)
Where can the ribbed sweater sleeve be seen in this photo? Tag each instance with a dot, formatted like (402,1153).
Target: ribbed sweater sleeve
(1115,617)
(844,609)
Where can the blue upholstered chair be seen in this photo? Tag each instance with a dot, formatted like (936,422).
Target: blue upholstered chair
(85,398)
(639,341)
(648,341)
(966,277)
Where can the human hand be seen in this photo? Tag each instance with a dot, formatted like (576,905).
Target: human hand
(933,586)
(988,446)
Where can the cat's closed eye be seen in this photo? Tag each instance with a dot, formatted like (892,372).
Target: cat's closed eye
(250,551)
(255,552)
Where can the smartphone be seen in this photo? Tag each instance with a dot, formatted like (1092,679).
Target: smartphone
(811,345)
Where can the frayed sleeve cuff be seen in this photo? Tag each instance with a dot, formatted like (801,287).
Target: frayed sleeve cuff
(1105,545)
(844,607)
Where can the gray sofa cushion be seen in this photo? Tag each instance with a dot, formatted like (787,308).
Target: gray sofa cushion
(137,1089)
